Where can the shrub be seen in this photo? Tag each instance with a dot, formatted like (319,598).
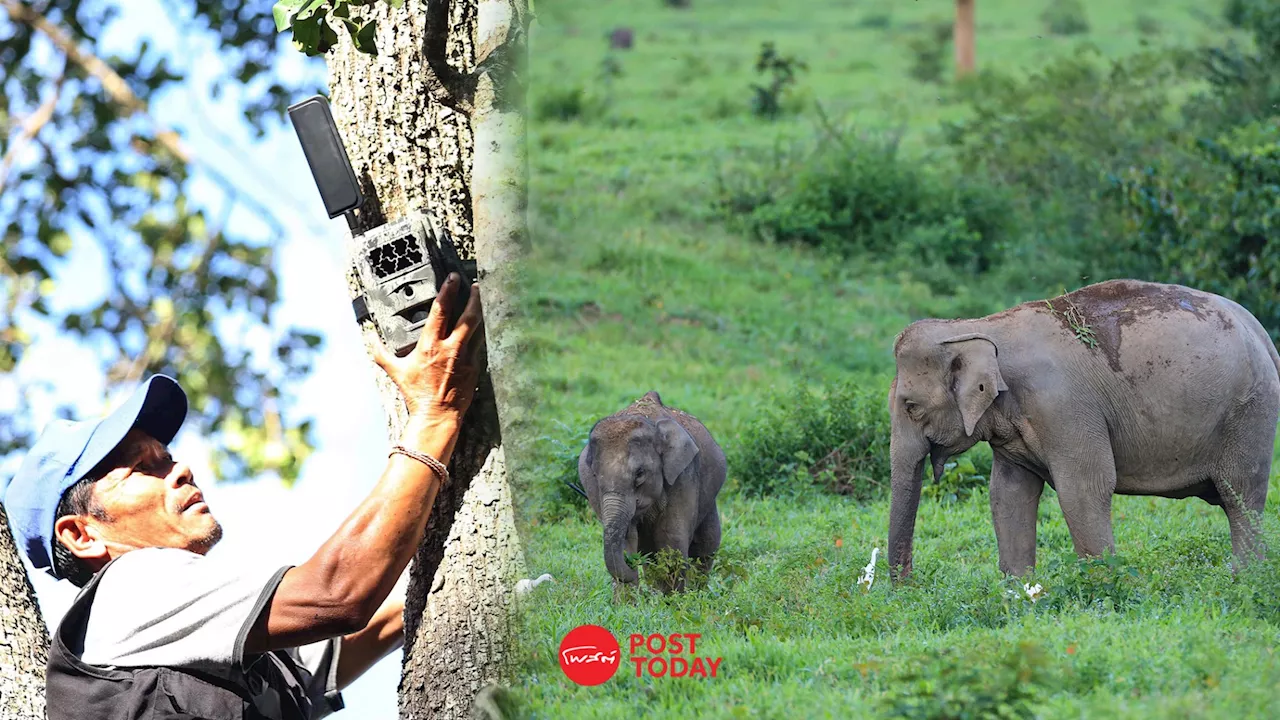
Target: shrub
(1244,86)
(1236,12)
(780,73)
(837,440)
(1147,25)
(859,195)
(1065,17)
(929,52)
(566,104)
(1216,230)
(961,476)
(948,685)
(1051,139)
(876,20)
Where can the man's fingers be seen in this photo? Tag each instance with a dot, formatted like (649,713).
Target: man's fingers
(470,319)
(438,319)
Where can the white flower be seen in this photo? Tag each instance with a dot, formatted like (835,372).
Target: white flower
(868,575)
(524,586)
(1034,592)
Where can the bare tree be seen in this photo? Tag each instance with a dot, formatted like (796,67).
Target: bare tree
(964,37)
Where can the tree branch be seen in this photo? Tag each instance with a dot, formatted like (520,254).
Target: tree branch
(449,86)
(121,94)
(161,334)
(33,125)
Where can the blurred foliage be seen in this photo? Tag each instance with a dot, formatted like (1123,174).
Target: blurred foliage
(1048,140)
(837,440)
(930,51)
(857,193)
(84,162)
(779,72)
(1215,230)
(1065,17)
(947,684)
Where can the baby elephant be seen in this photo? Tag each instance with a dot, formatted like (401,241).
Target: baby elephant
(652,474)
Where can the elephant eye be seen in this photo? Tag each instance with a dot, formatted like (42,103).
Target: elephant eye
(913,409)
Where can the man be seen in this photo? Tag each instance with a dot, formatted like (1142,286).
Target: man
(161,631)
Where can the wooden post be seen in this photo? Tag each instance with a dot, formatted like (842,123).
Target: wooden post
(964,37)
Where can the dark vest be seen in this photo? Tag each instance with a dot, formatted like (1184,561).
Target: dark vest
(272,687)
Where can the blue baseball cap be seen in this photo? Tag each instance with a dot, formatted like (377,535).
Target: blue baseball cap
(66,451)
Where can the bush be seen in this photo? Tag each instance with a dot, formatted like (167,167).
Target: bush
(1216,230)
(947,685)
(566,104)
(1051,139)
(930,51)
(1065,17)
(962,476)
(779,74)
(837,440)
(859,195)
(1236,12)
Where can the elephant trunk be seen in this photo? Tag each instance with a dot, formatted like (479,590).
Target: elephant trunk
(902,515)
(908,453)
(618,512)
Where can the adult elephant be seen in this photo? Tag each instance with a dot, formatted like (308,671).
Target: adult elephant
(1121,387)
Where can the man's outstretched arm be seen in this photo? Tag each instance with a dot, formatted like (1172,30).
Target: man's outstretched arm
(382,636)
(339,590)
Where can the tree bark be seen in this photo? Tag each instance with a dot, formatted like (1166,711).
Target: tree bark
(964,37)
(24,642)
(434,123)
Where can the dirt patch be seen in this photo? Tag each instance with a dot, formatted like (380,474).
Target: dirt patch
(1106,307)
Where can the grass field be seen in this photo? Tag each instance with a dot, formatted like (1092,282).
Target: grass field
(637,285)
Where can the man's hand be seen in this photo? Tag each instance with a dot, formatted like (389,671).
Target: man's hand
(438,377)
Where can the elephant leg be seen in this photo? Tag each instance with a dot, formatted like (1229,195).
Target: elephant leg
(1242,479)
(706,542)
(1085,481)
(673,534)
(1015,499)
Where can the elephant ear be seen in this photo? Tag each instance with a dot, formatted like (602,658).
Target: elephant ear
(976,378)
(678,449)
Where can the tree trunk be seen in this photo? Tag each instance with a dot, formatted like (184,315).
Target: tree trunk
(434,123)
(964,37)
(24,642)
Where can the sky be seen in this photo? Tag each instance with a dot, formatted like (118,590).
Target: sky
(263,521)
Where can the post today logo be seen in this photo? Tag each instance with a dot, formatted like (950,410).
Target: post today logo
(590,655)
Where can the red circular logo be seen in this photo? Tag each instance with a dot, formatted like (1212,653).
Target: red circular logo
(589,655)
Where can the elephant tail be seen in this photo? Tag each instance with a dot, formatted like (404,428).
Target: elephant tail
(1271,347)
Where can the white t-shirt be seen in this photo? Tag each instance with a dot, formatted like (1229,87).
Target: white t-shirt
(165,607)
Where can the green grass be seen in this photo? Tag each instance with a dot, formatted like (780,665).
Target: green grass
(636,285)
(1164,629)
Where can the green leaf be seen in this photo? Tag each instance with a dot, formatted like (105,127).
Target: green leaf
(365,38)
(328,37)
(314,7)
(306,34)
(396,3)
(283,12)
